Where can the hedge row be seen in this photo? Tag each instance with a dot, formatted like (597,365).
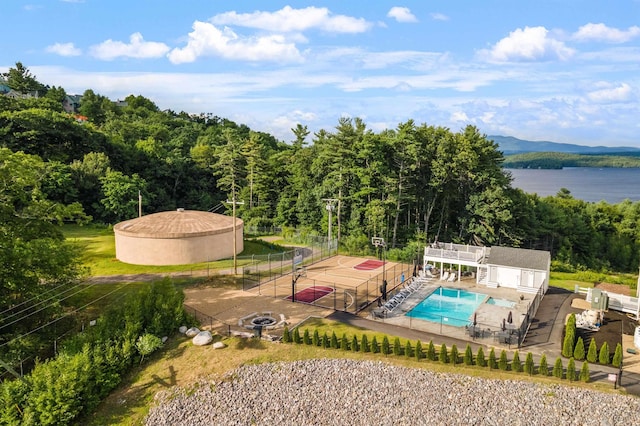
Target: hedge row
(575,348)
(443,354)
(91,364)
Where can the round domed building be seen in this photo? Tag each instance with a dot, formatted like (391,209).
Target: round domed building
(177,238)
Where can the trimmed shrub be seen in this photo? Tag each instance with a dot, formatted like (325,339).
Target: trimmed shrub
(286,337)
(569,336)
(354,344)
(386,349)
(584,372)
(468,355)
(557,368)
(407,350)
(315,340)
(453,358)
(431,351)
(603,357)
(375,348)
(578,352)
(617,356)
(480,361)
(296,336)
(571,370)
(397,347)
(528,364)
(492,360)
(344,343)
(418,352)
(516,365)
(334,340)
(326,342)
(543,369)
(442,356)
(592,353)
(503,364)
(364,344)
(306,337)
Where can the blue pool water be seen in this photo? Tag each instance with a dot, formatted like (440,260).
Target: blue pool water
(448,306)
(501,302)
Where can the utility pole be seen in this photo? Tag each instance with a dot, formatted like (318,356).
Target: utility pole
(233,202)
(139,204)
(330,207)
(379,242)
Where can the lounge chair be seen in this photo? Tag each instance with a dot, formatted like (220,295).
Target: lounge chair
(452,277)
(444,276)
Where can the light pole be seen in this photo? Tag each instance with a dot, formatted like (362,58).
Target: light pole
(330,208)
(379,242)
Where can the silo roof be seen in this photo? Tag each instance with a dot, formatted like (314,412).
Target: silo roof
(177,224)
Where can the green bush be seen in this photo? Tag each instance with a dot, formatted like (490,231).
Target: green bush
(454,355)
(344,343)
(617,356)
(584,372)
(578,352)
(386,349)
(569,336)
(354,344)
(571,370)
(364,344)
(529,367)
(147,344)
(492,360)
(315,341)
(408,352)
(431,351)
(558,370)
(334,340)
(442,357)
(480,361)
(326,341)
(286,337)
(418,351)
(592,353)
(397,347)
(468,355)
(296,336)
(503,364)
(543,369)
(306,337)
(375,348)
(516,365)
(603,357)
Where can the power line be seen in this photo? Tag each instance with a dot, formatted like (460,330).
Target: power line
(33,298)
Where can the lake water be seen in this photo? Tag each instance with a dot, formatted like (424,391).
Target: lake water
(612,185)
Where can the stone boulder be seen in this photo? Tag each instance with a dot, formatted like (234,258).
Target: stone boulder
(203,338)
(192,331)
(219,345)
(183,329)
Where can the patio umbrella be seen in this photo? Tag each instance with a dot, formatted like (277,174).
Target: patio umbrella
(510,318)
(504,326)
(475,319)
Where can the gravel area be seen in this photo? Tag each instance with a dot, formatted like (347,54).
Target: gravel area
(341,392)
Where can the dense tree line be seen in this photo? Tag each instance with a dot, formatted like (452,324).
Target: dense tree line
(558,160)
(416,182)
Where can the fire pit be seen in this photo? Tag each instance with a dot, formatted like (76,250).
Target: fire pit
(263,321)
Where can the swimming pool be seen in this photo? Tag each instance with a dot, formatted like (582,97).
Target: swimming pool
(449,306)
(501,302)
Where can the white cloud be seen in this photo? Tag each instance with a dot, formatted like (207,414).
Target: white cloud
(528,45)
(288,19)
(206,39)
(64,49)
(137,48)
(402,14)
(459,116)
(609,94)
(600,32)
(439,16)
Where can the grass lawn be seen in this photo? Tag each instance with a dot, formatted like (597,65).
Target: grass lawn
(99,253)
(568,280)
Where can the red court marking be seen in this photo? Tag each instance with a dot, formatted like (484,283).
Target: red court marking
(311,294)
(368,265)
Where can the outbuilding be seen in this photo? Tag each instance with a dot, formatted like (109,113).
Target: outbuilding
(177,238)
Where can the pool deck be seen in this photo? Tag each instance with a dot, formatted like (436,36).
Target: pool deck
(490,318)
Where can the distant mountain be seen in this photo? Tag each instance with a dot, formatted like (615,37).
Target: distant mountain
(510,145)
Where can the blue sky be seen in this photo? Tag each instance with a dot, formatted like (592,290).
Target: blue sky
(559,70)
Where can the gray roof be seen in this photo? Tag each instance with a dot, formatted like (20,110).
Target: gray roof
(519,258)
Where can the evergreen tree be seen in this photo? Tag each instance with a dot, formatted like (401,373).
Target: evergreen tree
(375,348)
(454,355)
(297,339)
(286,337)
(431,351)
(571,370)
(407,349)
(558,369)
(418,351)
(584,372)
(306,337)
(528,364)
(569,336)
(578,352)
(364,344)
(592,354)
(397,347)
(334,340)
(617,356)
(442,357)
(603,357)
(492,359)
(468,355)
(326,342)
(543,369)
(316,338)
(503,363)
(480,361)
(344,343)
(354,344)
(516,365)
(386,349)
